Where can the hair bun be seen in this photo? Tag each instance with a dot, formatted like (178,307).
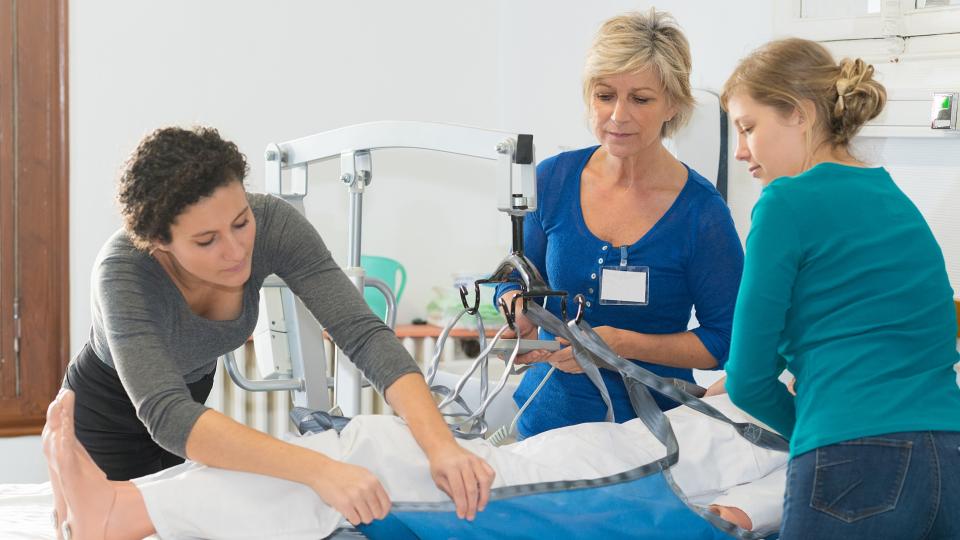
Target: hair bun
(859,98)
(852,74)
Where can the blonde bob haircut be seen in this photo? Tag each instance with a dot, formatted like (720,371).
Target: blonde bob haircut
(635,42)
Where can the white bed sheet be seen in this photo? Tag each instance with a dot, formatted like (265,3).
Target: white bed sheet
(25,509)
(25,512)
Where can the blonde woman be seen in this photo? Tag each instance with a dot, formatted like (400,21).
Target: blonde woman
(627,209)
(845,285)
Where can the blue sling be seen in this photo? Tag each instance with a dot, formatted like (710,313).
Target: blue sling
(643,502)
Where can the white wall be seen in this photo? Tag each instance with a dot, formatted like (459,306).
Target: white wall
(264,72)
(273,71)
(22,461)
(263,75)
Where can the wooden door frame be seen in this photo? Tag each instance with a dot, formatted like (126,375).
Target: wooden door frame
(34,195)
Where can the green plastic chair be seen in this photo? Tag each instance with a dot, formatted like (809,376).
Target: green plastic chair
(386,270)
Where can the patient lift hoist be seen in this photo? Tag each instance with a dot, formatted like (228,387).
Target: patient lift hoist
(282,337)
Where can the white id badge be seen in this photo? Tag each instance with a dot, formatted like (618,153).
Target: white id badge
(624,285)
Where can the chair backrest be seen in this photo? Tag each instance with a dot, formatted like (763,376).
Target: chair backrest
(390,272)
(702,143)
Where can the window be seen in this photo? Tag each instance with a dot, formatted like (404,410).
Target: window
(34,309)
(832,20)
(818,9)
(922,4)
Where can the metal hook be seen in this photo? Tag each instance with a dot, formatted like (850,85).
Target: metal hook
(513,304)
(580,300)
(508,311)
(463,298)
(476,299)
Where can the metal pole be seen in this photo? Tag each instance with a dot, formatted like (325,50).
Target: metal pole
(348,377)
(355,228)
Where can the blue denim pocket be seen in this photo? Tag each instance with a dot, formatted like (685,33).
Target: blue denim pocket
(860,478)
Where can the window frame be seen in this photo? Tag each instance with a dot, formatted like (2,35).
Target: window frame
(912,21)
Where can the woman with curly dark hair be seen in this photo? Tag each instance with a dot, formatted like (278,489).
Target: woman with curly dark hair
(178,287)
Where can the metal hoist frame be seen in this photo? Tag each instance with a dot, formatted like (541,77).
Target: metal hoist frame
(280,340)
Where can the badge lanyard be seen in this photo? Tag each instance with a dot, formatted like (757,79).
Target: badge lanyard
(624,284)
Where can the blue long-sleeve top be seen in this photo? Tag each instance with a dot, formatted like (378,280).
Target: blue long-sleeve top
(844,285)
(694,258)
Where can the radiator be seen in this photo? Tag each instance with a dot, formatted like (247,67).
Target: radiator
(269,412)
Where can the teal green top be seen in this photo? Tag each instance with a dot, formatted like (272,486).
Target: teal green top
(845,286)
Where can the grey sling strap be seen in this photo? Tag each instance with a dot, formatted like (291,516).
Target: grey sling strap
(638,380)
(643,403)
(544,319)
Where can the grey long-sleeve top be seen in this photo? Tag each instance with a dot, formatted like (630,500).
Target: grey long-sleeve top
(143,327)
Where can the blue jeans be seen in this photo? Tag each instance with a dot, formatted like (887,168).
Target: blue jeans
(897,486)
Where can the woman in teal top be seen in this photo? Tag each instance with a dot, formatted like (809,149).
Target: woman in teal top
(845,286)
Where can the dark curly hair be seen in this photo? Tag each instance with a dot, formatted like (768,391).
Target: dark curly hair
(171,169)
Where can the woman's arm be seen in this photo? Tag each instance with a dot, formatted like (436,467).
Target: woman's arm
(218,441)
(766,295)
(459,473)
(291,248)
(684,350)
(306,265)
(713,278)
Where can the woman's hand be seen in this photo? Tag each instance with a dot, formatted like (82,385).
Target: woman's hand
(564,360)
(460,474)
(464,476)
(353,491)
